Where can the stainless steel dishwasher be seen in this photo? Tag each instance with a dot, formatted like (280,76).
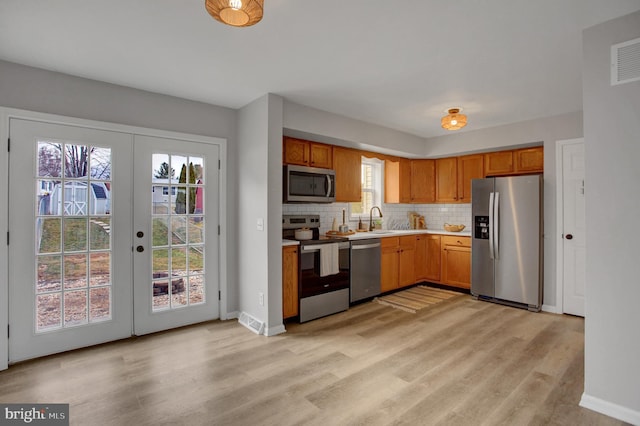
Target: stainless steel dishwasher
(365,269)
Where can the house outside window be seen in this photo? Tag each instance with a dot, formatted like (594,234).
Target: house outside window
(371,180)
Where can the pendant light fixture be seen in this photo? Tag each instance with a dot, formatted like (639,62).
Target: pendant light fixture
(453,120)
(237,13)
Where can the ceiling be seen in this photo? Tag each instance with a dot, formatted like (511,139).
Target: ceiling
(395,63)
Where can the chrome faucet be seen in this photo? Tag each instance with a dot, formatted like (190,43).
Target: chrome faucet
(371,227)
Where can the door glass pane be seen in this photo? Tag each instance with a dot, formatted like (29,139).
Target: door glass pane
(100,269)
(196,230)
(75,307)
(100,302)
(48,237)
(160,230)
(45,203)
(76,160)
(49,274)
(48,308)
(73,235)
(178,231)
(101,164)
(100,233)
(49,159)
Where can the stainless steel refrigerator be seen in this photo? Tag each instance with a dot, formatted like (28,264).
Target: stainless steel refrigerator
(506,248)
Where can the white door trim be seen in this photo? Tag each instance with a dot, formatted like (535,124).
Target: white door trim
(8,113)
(560,223)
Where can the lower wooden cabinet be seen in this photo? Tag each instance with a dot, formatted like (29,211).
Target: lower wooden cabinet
(456,261)
(427,258)
(410,259)
(289,281)
(434,263)
(397,263)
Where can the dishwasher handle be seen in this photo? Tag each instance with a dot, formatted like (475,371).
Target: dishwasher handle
(365,246)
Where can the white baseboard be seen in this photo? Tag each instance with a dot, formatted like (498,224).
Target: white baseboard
(273,331)
(551,308)
(230,315)
(610,409)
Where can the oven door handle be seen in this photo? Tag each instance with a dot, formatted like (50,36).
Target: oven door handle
(309,249)
(365,246)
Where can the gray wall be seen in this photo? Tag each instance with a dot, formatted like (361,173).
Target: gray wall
(612,144)
(321,126)
(54,93)
(260,198)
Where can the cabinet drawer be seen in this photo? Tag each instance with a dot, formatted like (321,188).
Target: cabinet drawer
(450,240)
(390,242)
(408,242)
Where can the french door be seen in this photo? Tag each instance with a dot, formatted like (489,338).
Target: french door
(85,205)
(176,233)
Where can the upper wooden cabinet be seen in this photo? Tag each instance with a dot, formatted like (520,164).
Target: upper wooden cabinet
(519,161)
(529,160)
(307,153)
(347,164)
(498,163)
(447,180)
(397,181)
(423,181)
(469,167)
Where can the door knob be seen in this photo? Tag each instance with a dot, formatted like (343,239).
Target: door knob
(569,237)
(140,234)
(139,249)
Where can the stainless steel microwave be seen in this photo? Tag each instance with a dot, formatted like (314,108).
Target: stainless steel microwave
(303,184)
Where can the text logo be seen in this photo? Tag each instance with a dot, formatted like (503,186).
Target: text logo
(35,414)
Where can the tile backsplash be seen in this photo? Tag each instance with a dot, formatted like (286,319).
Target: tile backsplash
(395,216)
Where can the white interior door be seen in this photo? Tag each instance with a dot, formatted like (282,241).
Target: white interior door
(573,228)
(70,224)
(176,271)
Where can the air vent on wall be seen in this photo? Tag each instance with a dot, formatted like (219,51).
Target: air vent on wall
(625,62)
(251,323)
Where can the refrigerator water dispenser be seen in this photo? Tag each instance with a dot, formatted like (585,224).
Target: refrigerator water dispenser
(481,224)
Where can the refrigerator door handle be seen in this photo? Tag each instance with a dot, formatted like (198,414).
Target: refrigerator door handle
(496,228)
(491,202)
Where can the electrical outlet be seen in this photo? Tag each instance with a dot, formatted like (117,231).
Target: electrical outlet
(261,298)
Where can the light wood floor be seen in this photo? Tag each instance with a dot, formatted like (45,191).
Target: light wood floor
(462,362)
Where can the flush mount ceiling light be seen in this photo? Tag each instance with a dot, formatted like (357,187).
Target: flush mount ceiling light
(453,120)
(237,13)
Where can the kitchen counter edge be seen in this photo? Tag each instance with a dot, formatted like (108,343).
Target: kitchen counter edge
(367,235)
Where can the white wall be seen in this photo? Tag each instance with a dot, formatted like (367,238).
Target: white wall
(50,92)
(612,147)
(260,180)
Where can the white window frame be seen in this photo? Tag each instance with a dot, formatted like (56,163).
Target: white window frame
(376,188)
